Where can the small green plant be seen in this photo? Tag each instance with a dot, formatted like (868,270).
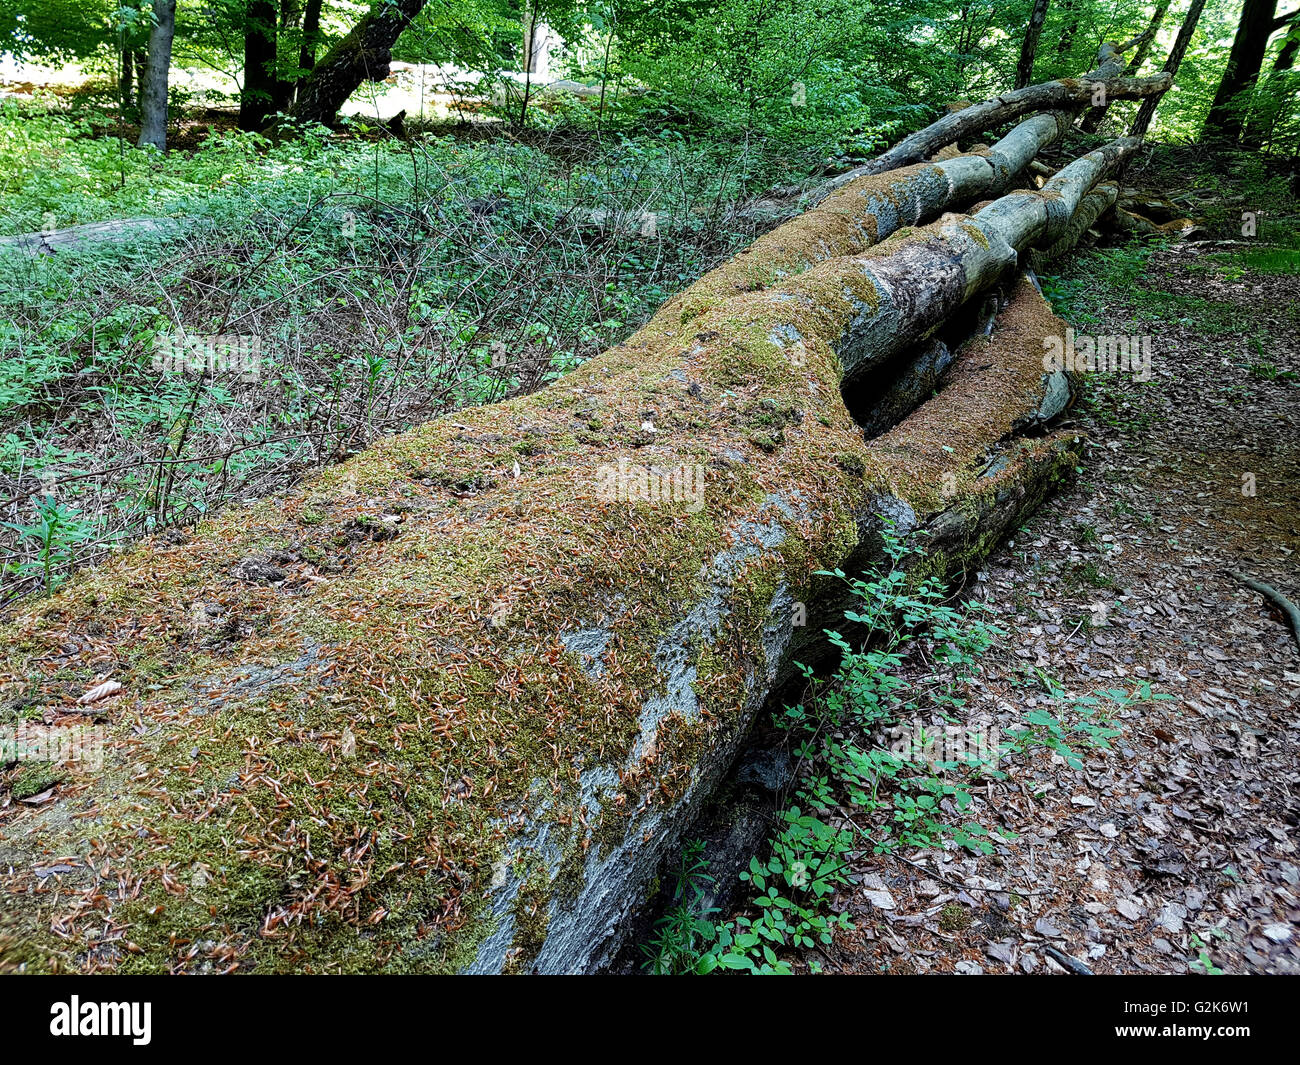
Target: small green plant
(686,930)
(1204,963)
(1086,722)
(55,533)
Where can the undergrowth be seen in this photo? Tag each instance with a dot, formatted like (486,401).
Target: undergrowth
(887,762)
(302,299)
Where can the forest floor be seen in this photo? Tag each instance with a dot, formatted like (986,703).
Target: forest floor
(1174,850)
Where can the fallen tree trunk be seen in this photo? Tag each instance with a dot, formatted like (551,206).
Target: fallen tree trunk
(446,706)
(1066,94)
(858,216)
(425,714)
(365,54)
(51,241)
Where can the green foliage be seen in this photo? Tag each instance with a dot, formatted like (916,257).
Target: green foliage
(383,282)
(863,790)
(687,930)
(55,534)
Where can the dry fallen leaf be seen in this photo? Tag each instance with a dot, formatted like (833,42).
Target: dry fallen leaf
(36,800)
(100,691)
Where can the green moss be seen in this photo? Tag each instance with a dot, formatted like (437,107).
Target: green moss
(33,778)
(532,913)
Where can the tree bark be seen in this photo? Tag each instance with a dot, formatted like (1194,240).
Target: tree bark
(486,771)
(1148,109)
(261,80)
(1068,93)
(861,213)
(153,96)
(1227,118)
(1141,49)
(363,55)
(310,34)
(505,664)
(1029,48)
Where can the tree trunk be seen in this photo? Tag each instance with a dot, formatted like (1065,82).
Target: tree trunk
(491,768)
(508,656)
(1227,118)
(126,79)
(1141,49)
(1148,109)
(363,55)
(1143,44)
(1025,68)
(261,81)
(310,35)
(153,96)
(1072,93)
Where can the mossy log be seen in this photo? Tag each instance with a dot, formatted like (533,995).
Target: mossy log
(1068,94)
(446,706)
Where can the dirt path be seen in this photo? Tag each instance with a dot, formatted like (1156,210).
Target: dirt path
(1176,849)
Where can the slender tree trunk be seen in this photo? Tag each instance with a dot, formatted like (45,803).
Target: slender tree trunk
(1148,109)
(1025,68)
(260,81)
(126,78)
(310,35)
(153,95)
(291,14)
(1227,118)
(1141,49)
(363,55)
(530,58)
